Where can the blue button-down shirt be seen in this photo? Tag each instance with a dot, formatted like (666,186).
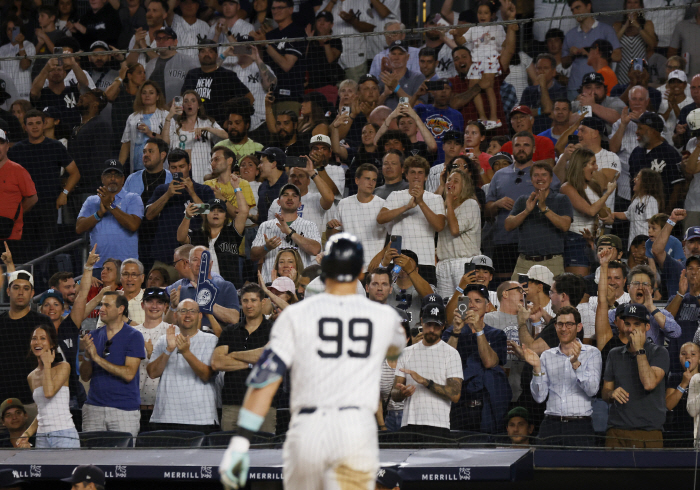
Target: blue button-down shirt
(112,239)
(570,390)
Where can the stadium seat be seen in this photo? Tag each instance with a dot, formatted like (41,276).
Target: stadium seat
(105,438)
(170,438)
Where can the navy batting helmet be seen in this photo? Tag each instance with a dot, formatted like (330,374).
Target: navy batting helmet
(342,260)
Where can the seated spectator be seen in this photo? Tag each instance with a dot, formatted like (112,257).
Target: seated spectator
(392,173)
(648,193)
(461,238)
(213,84)
(519,426)
(239,347)
(154,303)
(482,349)
(240,112)
(579,39)
(569,399)
(173,62)
(111,362)
(145,122)
(100,23)
(398,75)
(588,201)
(226,235)
(636,35)
(686,34)
(548,225)
(521,120)
(636,388)
(417,215)
(112,217)
(600,58)
(284,126)
(413,57)
(594,93)
(165,206)
(193,131)
(186,395)
(535,97)
(226,307)
(674,102)
(639,77)
(429,379)
(53,426)
(15,420)
(158,277)
(560,116)
(655,153)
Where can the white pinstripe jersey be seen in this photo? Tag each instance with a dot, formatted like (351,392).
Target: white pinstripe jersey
(335,347)
(360,220)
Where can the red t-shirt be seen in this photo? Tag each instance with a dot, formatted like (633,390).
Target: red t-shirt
(15,185)
(469,112)
(544,148)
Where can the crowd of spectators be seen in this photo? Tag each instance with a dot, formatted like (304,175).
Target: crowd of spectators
(532,236)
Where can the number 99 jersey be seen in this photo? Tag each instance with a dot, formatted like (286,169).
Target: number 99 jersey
(335,347)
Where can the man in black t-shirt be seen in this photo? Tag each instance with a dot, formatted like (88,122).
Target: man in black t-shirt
(239,347)
(286,138)
(215,85)
(324,73)
(57,93)
(17,325)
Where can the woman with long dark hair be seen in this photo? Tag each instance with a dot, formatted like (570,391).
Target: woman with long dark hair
(475,143)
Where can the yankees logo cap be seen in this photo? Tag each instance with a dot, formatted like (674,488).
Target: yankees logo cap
(388,477)
(479,288)
(399,44)
(594,123)
(433,309)
(320,139)
(368,78)
(653,120)
(87,473)
(217,203)
(482,261)
(633,310)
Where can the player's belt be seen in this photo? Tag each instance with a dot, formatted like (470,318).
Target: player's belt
(308,410)
(538,258)
(559,418)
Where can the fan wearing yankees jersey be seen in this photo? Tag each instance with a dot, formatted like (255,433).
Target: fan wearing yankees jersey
(357,214)
(287,229)
(428,376)
(436,40)
(416,215)
(189,29)
(335,344)
(313,204)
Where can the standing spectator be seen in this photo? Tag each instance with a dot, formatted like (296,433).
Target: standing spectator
(15,45)
(213,84)
(461,238)
(600,58)
(17,324)
(439,117)
(111,362)
(428,376)
(686,34)
(570,375)
(453,147)
(388,38)
(683,307)
(544,225)
(173,63)
(240,115)
(416,216)
(436,41)
(287,226)
(285,58)
(63,283)
(561,114)
(154,303)
(536,97)
(131,275)
(637,76)
(325,53)
(554,40)
(634,385)
(482,349)
(186,396)
(258,77)
(122,94)
(361,108)
(230,25)
(132,16)
(357,214)
(167,202)
(398,75)
(655,153)
(674,102)
(672,64)
(648,194)
(579,39)
(100,23)
(682,135)
(554,17)
(392,172)
(146,121)
(46,35)
(144,38)
(251,334)
(366,153)
(193,131)
(636,35)
(593,92)
(87,143)
(117,236)
(273,177)
(521,120)
(352,19)
(409,123)
(190,29)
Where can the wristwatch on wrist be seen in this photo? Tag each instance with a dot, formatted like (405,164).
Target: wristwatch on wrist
(430,383)
(642,352)
(545,210)
(291,232)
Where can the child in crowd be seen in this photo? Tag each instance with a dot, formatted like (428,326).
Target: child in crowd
(648,193)
(496,143)
(637,252)
(674,247)
(678,419)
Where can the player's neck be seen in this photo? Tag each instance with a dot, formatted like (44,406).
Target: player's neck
(341,288)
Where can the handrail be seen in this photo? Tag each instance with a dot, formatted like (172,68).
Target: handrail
(64,248)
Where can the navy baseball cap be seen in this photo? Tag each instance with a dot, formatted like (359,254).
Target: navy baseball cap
(51,293)
(87,473)
(692,232)
(324,14)
(594,123)
(479,288)
(52,111)
(399,44)
(452,135)
(633,310)
(113,165)
(592,77)
(168,31)
(217,203)
(368,78)
(653,120)
(273,154)
(388,477)
(501,155)
(243,38)
(433,312)
(156,293)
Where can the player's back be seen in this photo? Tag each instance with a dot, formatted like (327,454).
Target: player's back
(334,346)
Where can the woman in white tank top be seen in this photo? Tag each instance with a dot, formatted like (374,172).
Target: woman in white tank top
(53,425)
(587,199)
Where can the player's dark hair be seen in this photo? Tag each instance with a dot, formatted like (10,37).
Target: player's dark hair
(573,285)
(252,288)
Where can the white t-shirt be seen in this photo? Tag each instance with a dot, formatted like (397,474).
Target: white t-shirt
(304,227)
(360,220)
(518,74)
(148,386)
(344,367)
(250,76)
(582,221)
(629,143)
(608,160)
(588,312)
(135,138)
(183,398)
(445,66)
(337,175)
(22,78)
(672,120)
(437,362)
(638,213)
(413,226)
(468,243)
(189,35)
(199,150)
(310,209)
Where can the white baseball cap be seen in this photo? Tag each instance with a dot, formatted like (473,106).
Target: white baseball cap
(13,276)
(320,138)
(678,75)
(541,274)
(283,284)
(693,119)
(3,136)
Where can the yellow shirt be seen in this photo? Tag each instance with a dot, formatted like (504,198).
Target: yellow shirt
(229,192)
